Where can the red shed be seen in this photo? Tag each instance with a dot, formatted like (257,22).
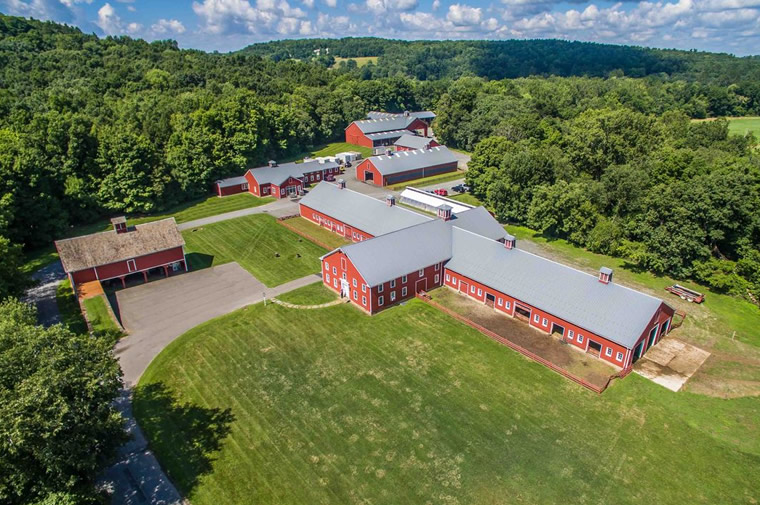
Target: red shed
(123,251)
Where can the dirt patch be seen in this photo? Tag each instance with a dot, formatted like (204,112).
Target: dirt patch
(549,348)
(671,363)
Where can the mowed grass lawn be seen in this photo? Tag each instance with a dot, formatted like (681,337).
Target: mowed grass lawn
(271,252)
(329,150)
(427,181)
(270,405)
(317,233)
(744,125)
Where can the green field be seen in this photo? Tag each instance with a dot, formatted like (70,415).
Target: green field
(410,406)
(466,198)
(744,125)
(197,209)
(99,317)
(427,181)
(329,150)
(313,294)
(727,326)
(271,252)
(317,233)
(360,60)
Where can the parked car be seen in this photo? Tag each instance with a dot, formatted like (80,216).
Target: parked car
(465,188)
(459,188)
(441,192)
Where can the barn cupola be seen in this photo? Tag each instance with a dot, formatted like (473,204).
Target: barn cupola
(272,163)
(390,200)
(407,113)
(444,212)
(119,224)
(510,241)
(341,183)
(605,275)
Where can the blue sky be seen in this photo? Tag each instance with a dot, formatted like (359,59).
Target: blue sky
(716,25)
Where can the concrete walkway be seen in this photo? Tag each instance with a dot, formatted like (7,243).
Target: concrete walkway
(155,314)
(278,208)
(42,295)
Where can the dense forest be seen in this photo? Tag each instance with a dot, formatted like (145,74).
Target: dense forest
(91,127)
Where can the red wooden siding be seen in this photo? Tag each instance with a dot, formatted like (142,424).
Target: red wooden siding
(355,136)
(332,224)
(230,190)
(432,143)
(431,277)
(337,266)
(380,180)
(121,268)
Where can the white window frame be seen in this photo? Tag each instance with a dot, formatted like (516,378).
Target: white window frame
(132,265)
(500,302)
(353,282)
(380,300)
(393,296)
(335,271)
(343,275)
(472,289)
(403,278)
(244,186)
(403,291)
(421,273)
(380,288)
(448,278)
(480,292)
(570,334)
(608,352)
(356,295)
(437,278)
(327,277)
(364,300)
(393,283)
(343,263)
(437,266)
(364,288)
(335,282)
(619,356)
(580,338)
(507,305)
(536,318)
(544,322)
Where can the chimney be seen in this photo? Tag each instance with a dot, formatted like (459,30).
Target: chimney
(444,212)
(605,275)
(272,163)
(510,241)
(119,224)
(341,183)
(390,200)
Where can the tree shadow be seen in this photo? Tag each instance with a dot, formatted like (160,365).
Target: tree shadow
(199,261)
(183,436)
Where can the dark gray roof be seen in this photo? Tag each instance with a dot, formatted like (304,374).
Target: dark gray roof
(413,141)
(280,173)
(404,161)
(401,252)
(610,310)
(480,221)
(397,122)
(231,181)
(386,135)
(425,114)
(360,211)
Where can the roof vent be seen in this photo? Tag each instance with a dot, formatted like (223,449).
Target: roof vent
(510,242)
(119,224)
(272,163)
(605,275)
(444,212)
(390,200)
(406,113)
(341,183)
(389,152)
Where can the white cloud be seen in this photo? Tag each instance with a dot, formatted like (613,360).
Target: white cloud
(308,3)
(464,15)
(108,20)
(134,28)
(71,3)
(380,6)
(331,3)
(40,9)
(164,26)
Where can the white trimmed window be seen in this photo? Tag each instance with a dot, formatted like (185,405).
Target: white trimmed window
(335,271)
(364,300)
(536,317)
(356,295)
(480,292)
(544,322)
(608,352)
(364,288)
(580,338)
(393,295)
(570,334)
(506,305)
(437,278)
(380,288)
(472,289)
(353,281)
(343,263)
(380,300)
(421,272)
(343,275)
(327,278)
(448,277)
(403,278)
(393,283)
(403,291)
(500,302)
(619,356)
(437,266)
(335,283)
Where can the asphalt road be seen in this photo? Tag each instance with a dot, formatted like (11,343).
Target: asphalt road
(42,295)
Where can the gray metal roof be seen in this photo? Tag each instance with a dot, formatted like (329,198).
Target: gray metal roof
(413,141)
(280,173)
(360,211)
(386,135)
(425,114)
(610,310)
(401,252)
(404,161)
(478,220)
(231,181)
(396,122)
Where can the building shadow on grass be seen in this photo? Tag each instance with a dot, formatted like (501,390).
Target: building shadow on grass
(184,436)
(198,261)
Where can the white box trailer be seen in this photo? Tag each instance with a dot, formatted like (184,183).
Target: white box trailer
(348,156)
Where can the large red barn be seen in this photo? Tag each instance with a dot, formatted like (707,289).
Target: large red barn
(385,131)
(404,166)
(123,251)
(279,181)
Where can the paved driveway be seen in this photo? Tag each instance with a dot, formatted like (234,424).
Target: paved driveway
(278,208)
(42,295)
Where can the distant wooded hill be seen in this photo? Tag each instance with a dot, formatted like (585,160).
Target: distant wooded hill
(426,60)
